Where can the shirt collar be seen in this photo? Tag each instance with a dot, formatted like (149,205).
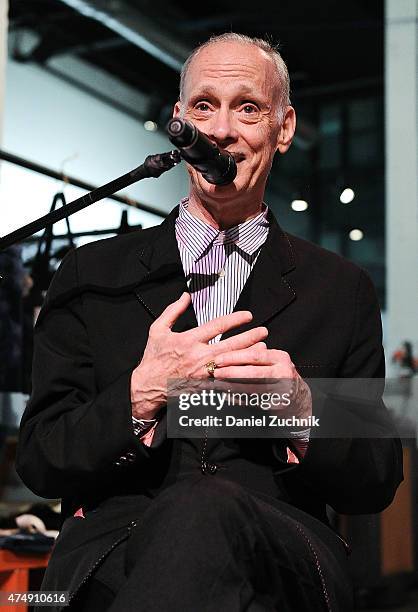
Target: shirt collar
(197,236)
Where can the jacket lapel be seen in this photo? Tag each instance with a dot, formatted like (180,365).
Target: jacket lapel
(164,281)
(267,292)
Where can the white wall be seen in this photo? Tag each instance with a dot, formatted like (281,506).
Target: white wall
(401,106)
(47,121)
(3,54)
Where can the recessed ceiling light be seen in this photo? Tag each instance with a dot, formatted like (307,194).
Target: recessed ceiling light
(299,205)
(150,126)
(347,195)
(356,235)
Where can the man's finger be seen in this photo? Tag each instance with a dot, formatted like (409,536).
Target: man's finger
(241,341)
(254,355)
(170,315)
(220,325)
(243,371)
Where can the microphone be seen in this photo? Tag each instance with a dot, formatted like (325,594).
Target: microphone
(217,167)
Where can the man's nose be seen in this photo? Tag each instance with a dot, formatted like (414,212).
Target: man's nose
(222,127)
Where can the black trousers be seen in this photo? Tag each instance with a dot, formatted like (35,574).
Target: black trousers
(208,545)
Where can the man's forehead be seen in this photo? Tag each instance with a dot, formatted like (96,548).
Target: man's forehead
(227,55)
(203,88)
(246,65)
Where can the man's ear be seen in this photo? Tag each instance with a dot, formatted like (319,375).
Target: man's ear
(177,109)
(287,130)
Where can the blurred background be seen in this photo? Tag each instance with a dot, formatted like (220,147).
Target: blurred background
(86,88)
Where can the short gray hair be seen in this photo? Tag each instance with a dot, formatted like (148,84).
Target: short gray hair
(270,49)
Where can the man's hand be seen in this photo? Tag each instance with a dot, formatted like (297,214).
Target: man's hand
(260,362)
(183,355)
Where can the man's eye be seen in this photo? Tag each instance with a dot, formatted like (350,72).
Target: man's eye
(249,108)
(202,106)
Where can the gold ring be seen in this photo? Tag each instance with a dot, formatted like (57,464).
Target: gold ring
(211,367)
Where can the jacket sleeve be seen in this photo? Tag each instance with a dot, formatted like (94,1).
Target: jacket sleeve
(71,434)
(354,474)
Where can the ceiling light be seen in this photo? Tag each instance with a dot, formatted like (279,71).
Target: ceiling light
(150,126)
(356,235)
(347,195)
(299,205)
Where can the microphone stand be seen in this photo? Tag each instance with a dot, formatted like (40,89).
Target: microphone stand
(153,166)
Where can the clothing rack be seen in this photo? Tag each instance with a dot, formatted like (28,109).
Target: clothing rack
(61,176)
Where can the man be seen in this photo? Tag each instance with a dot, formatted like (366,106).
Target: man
(218,290)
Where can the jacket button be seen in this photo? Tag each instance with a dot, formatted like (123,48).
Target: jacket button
(209,468)
(130,456)
(120,462)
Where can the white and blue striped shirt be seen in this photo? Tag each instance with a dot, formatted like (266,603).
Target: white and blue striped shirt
(217,263)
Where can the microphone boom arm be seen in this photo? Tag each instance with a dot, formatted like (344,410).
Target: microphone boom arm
(153,166)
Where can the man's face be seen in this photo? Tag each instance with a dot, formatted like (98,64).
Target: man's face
(232,95)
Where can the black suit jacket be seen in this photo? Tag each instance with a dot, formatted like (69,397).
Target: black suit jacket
(91,334)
